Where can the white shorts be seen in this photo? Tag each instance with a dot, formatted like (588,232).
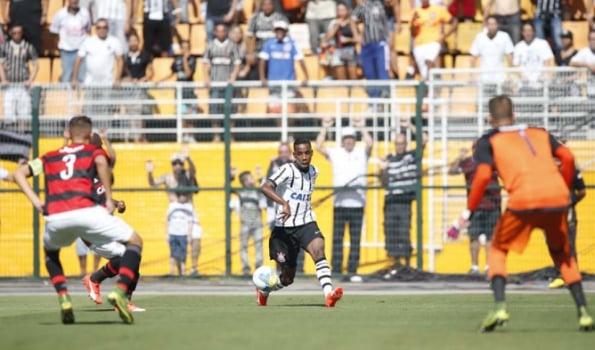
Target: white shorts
(424,53)
(17,104)
(94,225)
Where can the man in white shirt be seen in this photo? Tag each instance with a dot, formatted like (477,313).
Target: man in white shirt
(119,16)
(586,58)
(104,62)
(490,49)
(350,165)
(71,23)
(532,54)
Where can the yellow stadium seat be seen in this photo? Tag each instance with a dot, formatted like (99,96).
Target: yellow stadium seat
(331,95)
(527,9)
(580,31)
(163,108)
(45,70)
(56,70)
(311,65)
(405,12)
(358,107)
(305,107)
(198,39)
(54,104)
(183,30)
(53,7)
(192,19)
(162,68)
(465,35)
(402,41)
(257,107)
(248,8)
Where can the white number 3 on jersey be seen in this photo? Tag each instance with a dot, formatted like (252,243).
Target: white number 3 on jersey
(68,160)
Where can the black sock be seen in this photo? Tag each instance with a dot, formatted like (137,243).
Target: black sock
(576,290)
(108,270)
(133,286)
(498,286)
(129,267)
(54,267)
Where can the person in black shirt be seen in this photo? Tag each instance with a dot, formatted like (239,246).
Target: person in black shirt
(29,14)
(219,12)
(183,68)
(568,51)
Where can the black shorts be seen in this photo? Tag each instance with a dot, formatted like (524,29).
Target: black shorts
(285,242)
(483,221)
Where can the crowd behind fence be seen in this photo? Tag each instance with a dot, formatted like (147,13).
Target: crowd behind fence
(150,121)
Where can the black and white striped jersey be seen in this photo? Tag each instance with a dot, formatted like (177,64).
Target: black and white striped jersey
(296,187)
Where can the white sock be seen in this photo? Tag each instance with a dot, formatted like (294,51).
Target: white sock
(474,267)
(323,272)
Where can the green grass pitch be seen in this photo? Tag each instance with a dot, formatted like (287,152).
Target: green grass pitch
(538,321)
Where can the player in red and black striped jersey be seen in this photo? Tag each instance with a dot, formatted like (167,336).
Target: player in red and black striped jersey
(71,211)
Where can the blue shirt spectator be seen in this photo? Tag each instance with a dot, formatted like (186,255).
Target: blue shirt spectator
(280,52)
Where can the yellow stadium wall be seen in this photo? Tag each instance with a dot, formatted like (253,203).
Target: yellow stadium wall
(146,213)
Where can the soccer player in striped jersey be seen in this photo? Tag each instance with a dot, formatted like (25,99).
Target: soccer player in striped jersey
(295,224)
(71,210)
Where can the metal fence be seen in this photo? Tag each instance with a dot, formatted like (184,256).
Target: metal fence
(152,121)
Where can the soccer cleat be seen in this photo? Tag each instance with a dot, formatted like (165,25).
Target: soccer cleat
(261,297)
(585,321)
(66,309)
(333,297)
(93,289)
(494,318)
(133,308)
(556,283)
(121,304)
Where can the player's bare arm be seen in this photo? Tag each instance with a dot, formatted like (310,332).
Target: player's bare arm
(20,177)
(269,191)
(104,174)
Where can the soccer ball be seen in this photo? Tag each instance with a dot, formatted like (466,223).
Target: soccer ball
(265,278)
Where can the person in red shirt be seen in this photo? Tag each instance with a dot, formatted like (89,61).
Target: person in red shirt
(71,210)
(539,197)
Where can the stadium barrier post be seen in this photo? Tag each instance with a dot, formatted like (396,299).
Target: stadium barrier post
(421,88)
(227,141)
(35,138)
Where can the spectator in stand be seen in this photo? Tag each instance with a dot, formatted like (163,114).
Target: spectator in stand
(277,60)
(508,13)
(548,14)
(344,35)
(183,68)
(30,15)
(138,68)
(427,24)
(463,10)
(14,70)
(237,37)
(219,12)
(157,32)
(532,54)
(568,50)
(221,64)
(72,23)
(319,13)
(260,29)
(184,7)
(490,49)
(374,52)
(392,8)
(119,15)
(586,58)
(104,64)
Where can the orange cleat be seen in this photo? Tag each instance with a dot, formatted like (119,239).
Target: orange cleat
(93,289)
(334,297)
(261,298)
(134,308)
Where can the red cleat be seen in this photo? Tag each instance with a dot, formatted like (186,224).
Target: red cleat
(333,297)
(261,298)
(93,289)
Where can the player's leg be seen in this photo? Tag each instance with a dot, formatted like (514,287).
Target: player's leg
(475,229)
(55,237)
(493,218)
(312,240)
(511,232)
(284,251)
(555,226)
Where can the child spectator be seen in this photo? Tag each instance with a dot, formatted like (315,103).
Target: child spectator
(249,208)
(180,218)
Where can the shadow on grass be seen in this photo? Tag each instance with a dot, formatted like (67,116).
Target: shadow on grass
(299,305)
(83,323)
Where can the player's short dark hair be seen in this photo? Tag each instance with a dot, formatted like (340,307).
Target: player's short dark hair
(80,121)
(243,175)
(301,141)
(501,107)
